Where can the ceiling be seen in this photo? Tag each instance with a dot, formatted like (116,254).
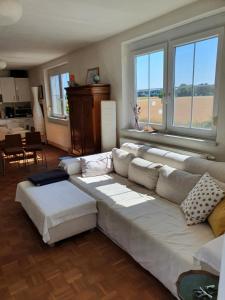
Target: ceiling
(52,28)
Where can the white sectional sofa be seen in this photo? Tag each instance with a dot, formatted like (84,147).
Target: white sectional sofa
(150,228)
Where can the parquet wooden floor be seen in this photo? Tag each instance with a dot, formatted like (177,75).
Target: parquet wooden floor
(86,267)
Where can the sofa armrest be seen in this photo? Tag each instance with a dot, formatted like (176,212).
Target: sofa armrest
(73,165)
(210,254)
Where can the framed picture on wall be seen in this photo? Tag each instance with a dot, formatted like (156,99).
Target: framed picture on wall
(91,74)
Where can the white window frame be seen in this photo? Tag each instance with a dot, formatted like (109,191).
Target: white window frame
(196,132)
(64,115)
(149,50)
(169,74)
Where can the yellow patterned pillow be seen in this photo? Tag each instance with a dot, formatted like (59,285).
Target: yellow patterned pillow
(217,218)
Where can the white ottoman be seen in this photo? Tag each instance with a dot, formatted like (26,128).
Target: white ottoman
(58,210)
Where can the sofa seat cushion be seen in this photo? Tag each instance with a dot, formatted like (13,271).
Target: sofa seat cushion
(151,229)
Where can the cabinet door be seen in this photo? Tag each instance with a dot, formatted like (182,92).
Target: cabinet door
(88,135)
(76,128)
(7,89)
(23,89)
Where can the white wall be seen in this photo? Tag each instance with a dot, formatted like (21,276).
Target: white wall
(110,55)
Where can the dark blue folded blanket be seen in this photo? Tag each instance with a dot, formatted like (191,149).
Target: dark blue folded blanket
(48,177)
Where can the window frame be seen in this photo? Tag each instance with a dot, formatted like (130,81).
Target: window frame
(169,78)
(195,132)
(64,115)
(149,50)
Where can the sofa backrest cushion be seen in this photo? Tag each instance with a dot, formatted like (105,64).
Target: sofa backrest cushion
(187,163)
(174,184)
(144,172)
(121,161)
(133,148)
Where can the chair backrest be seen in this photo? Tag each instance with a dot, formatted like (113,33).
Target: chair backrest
(33,138)
(13,140)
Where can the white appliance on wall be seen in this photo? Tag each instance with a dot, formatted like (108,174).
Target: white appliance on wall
(108,125)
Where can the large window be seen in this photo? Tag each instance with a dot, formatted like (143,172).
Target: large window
(58,83)
(179,96)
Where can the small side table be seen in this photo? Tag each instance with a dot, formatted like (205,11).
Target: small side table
(194,279)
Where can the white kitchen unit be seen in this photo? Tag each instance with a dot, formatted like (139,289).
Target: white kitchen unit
(23,93)
(7,89)
(15,90)
(15,126)
(17,122)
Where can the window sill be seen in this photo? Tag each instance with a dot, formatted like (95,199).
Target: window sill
(173,140)
(60,121)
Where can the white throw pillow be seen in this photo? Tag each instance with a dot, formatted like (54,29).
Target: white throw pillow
(121,161)
(210,254)
(144,172)
(174,184)
(96,166)
(201,200)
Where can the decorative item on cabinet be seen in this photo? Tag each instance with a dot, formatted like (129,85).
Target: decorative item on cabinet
(85,117)
(93,76)
(72,82)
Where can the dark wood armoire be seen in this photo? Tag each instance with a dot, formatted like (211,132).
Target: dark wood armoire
(85,117)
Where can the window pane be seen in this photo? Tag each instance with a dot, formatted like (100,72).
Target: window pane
(64,83)
(149,84)
(204,83)
(156,86)
(142,85)
(55,93)
(195,69)
(184,57)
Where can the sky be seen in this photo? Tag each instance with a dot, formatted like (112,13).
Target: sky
(204,65)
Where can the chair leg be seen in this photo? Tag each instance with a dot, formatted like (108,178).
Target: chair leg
(3,165)
(45,158)
(24,159)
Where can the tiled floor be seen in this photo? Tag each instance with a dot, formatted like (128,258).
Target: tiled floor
(85,267)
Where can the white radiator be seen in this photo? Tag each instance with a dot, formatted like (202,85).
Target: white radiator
(108,125)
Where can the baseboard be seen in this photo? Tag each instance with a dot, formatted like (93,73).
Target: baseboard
(58,146)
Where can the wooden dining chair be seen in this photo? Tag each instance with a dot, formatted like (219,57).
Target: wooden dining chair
(34,144)
(13,148)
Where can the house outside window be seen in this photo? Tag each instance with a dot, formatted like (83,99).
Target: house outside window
(176,84)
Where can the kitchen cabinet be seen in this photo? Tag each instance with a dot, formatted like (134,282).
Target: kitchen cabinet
(7,89)
(23,93)
(14,90)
